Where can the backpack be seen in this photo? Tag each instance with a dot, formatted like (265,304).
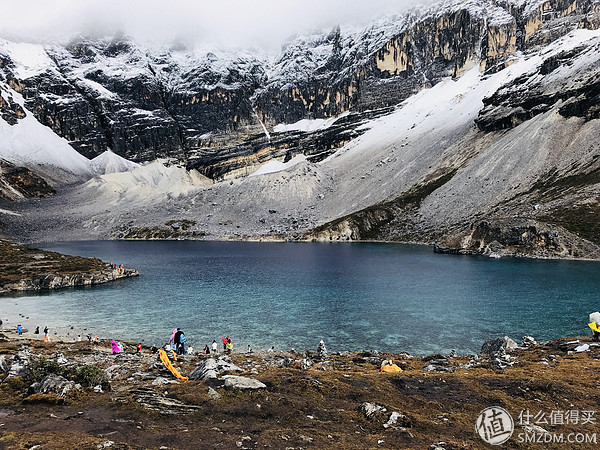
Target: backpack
(182,338)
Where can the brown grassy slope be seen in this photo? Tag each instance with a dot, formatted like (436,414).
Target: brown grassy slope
(310,408)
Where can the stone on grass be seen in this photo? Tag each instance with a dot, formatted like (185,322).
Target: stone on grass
(394,418)
(498,345)
(204,370)
(243,384)
(370,409)
(53,384)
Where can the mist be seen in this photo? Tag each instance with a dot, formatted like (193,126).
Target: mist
(231,23)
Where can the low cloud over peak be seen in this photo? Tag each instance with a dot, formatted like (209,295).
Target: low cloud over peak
(231,23)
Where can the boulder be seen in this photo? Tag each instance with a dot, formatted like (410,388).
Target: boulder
(154,401)
(211,368)
(322,350)
(243,384)
(21,364)
(394,418)
(214,395)
(439,365)
(498,345)
(3,364)
(224,364)
(52,384)
(528,341)
(204,370)
(370,409)
(160,381)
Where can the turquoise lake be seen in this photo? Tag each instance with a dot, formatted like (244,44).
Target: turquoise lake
(353,296)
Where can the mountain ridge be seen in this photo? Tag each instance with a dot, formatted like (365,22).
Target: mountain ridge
(492,104)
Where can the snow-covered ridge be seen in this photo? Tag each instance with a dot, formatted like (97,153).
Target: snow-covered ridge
(30,144)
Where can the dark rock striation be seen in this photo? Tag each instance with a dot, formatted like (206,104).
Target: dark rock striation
(20,182)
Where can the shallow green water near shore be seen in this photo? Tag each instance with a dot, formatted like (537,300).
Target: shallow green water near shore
(353,296)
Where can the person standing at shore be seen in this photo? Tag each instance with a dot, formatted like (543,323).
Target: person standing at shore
(214,347)
(20,329)
(224,343)
(37,330)
(229,345)
(172,340)
(179,341)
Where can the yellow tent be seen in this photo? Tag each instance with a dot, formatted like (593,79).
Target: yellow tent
(391,368)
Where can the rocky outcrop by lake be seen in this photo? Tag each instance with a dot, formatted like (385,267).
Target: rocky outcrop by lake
(28,269)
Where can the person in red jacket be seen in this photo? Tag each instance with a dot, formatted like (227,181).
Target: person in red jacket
(224,343)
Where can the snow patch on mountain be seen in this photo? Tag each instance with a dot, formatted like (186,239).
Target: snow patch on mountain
(274,166)
(30,59)
(307,125)
(30,144)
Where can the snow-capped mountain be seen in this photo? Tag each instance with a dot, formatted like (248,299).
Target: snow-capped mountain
(472,123)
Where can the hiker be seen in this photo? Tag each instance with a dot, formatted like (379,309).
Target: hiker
(20,329)
(114,347)
(206,350)
(229,345)
(89,337)
(249,349)
(46,336)
(272,349)
(179,342)
(224,343)
(37,330)
(139,348)
(214,346)
(172,340)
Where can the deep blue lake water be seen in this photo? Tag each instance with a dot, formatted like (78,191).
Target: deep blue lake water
(353,296)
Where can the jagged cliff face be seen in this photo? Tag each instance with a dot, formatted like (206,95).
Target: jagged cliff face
(145,103)
(112,94)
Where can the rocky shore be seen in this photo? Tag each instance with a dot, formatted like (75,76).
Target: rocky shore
(29,269)
(79,395)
